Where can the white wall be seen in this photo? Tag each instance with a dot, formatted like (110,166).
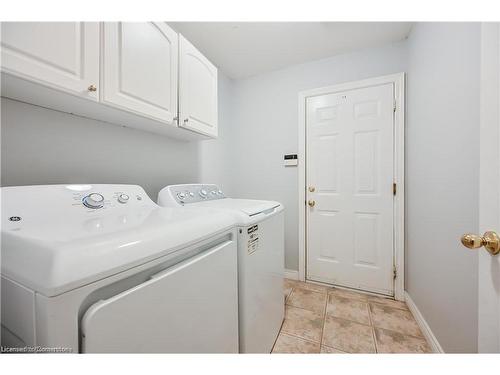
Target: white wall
(216,156)
(266,123)
(442,144)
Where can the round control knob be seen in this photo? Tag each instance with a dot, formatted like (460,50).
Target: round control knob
(123,198)
(93,200)
(219,192)
(191,194)
(203,193)
(181,196)
(214,192)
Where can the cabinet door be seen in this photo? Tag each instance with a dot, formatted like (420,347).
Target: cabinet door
(197,90)
(140,68)
(61,55)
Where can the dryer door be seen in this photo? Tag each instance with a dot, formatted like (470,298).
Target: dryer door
(191,307)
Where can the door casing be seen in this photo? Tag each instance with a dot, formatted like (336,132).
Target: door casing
(489,188)
(398,80)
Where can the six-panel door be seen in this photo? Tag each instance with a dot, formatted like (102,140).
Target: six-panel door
(197,90)
(140,61)
(350,164)
(61,55)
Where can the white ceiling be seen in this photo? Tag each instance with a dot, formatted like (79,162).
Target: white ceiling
(243,49)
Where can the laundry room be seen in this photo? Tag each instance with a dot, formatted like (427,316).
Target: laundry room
(251,185)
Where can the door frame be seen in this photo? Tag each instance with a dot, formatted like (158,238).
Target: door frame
(489,186)
(398,80)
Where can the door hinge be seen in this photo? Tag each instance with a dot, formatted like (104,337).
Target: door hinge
(394,272)
(394,106)
(393,188)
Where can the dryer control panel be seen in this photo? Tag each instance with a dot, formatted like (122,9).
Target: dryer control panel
(189,193)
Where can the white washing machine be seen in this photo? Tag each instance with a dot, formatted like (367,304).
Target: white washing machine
(102,268)
(260,258)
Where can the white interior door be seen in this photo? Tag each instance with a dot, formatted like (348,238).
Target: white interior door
(349,178)
(140,61)
(62,55)
(489,203)
(197,90)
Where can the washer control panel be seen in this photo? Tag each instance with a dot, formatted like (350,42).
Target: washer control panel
(190,193)
(97,197)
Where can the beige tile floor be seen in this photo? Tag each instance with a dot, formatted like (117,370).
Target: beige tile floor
(320,319)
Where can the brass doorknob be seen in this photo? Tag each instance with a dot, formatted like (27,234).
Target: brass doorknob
(312,189)
(92,88)
(490,240)
(311,203)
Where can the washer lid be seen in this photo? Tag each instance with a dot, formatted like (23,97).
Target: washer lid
(52,242)
(248,207)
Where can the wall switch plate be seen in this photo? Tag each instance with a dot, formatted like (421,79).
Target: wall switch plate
(290,160)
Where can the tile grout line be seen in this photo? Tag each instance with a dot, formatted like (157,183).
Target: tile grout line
(372,327)
(324,322)
(334,347)
(300,337)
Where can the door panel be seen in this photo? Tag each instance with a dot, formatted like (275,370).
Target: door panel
(366,163)
(350,164)
(197,90)
(140,68)
(62,55)
(191,307)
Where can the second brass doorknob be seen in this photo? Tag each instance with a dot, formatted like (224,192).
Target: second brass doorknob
(311,203)
(490,241)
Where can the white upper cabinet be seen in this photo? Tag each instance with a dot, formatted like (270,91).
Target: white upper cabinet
(139,74)
(60,55)
(197,90)
(142,75)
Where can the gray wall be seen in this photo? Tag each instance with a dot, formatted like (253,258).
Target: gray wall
(41,146)
(442,178)
(266,118)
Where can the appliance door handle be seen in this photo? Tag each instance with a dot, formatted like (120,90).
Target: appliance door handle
(188,261)
(269,211)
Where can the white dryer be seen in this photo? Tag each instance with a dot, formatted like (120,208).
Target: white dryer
(102,268)
(260,258)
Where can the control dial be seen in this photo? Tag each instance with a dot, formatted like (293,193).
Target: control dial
(123,198)
(93,200)
(203,193)
(181,196)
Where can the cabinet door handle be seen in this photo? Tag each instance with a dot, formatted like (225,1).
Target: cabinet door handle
(92,88)
(186,120)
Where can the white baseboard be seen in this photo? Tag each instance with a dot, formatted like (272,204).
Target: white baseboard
(424,327)
(291,274)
